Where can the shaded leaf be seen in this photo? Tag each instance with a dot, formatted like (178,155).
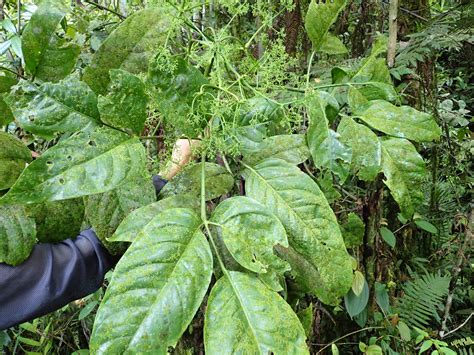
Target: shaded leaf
(319,18)
(67,106)
(381,297)
(128,47)
(178,86)
(17,234)
(324,144)
(14,157)
(405,332)
(125,104)
(353,231)
(426,226)
(388,236)
(262,322)
(105,159)
(355,304)
(218,182)
(402,122)
(47,57)
(366,149)
(156,289)
(308,219)
(57,220)
(306,318)
(7,80)
(403,176)
(250,232)
(106,211)
(136,221)
(332,45)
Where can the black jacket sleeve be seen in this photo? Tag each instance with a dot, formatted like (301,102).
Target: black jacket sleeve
(53,276)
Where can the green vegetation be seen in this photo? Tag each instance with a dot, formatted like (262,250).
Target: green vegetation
(328,208)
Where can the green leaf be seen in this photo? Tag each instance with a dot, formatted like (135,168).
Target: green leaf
(179,83)
(125,104)
(306,318)
(84,164)
(46,56)
(136,221)
(308,219)
(366,149)
(381,297)
(14,157)
(128,47)
(353,231)
(425,346)
(260,109)
(67,106)
(426,226)
(255,147)
(355,99)
(356,303)
(319,18)
(324,144)
(156,289)
(334,349)
(332,45)
(58,220)
(218,182)
(106,211)
(7,80)
(87,310)
(17,234)
(250,232)
(374,350)
(262,322)
(358,283)
(405,332)
(388,237)
(325,183)
(403,176)
(402,122)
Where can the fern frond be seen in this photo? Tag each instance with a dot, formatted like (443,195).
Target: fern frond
(423,298)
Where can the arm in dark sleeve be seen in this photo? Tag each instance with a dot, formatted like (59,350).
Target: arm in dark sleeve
(53,276)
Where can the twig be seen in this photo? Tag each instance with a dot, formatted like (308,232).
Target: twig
(99,6)
(345,336)
(13,72)
(442,335)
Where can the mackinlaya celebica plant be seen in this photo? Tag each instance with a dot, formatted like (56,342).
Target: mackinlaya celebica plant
(281,225)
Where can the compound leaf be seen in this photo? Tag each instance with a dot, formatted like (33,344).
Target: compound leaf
(67,106)
(250,232)
(84,164)
(261,321)
(137,220)
(308,219)
(403,176)
(319,18)
(156,289)
(125,104)
(128,47)
(218,182)
(17,234)
(14,157)
(365,146)
(402,122)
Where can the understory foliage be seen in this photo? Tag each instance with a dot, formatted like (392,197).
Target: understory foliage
(278,227)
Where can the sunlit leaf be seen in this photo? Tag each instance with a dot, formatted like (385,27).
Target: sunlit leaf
(84,164)
(67,106)
(156,289)
(262,322)
(311,225)
(129,47)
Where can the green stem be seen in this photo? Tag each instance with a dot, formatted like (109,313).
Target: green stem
(345,336)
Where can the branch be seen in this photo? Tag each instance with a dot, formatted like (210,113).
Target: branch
(99,6)
(392,33)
